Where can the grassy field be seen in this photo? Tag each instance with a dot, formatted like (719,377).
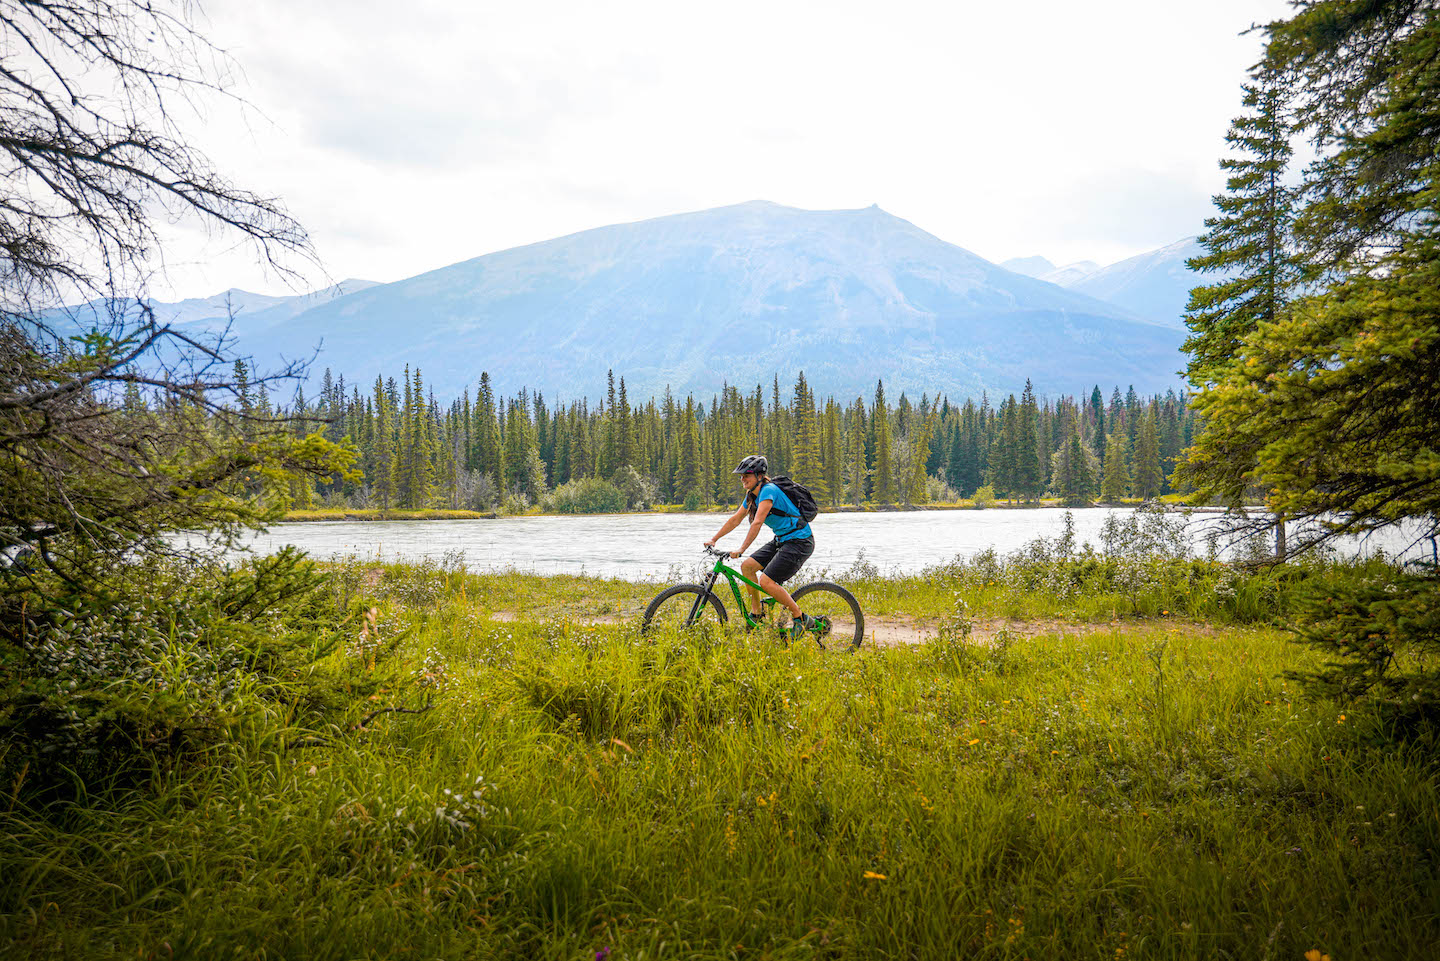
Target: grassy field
(1120,771)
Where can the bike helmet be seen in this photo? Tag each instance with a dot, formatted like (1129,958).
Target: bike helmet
(754,464)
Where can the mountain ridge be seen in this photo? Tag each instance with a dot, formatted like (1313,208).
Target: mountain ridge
(738,295)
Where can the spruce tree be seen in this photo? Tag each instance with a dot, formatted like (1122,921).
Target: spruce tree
(804,464)
(884,492)
(1115,486)
(856,440)
(382,463)
(1148,478)
(834,452)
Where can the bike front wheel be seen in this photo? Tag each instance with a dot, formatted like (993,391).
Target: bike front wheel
(843,625)
(683,607)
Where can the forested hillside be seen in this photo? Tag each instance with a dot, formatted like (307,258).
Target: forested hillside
(484,451)
(729,295)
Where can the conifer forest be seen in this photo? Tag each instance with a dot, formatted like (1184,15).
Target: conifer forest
(487,452)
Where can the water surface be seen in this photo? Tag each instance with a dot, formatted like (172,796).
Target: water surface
(644,546)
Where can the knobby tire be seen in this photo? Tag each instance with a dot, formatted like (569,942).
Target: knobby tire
(835,603)
(672,606)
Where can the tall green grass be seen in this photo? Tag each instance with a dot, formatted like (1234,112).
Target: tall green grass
(1151,791)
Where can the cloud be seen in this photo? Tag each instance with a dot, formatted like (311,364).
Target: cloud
(409,140)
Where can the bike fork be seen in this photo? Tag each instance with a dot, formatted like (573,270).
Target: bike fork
(700,600)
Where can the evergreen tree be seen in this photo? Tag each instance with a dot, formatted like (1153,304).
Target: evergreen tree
(1097,418)
(419,452)
(1074,473)
(834,455)
(805,445)
(489,459)
(1004,449)
(689,471)
(1029,475)
(1331,407)
(884,492)
(1248,243)
(1115,486)
(1148,478)
(381,469)
(856,459)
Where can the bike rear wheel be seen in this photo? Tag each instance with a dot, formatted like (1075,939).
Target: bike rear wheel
(845,623)
(675,609)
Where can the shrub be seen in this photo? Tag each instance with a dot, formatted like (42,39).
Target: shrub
(639,491)
(588,496)
(1381,633)
(170,662)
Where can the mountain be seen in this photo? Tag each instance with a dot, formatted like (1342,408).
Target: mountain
(246,305)
(731,295)
(235,308)
(1155,285)
(1029,266)
(1070,274)
(695,301)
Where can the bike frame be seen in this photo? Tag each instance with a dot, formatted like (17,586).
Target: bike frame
(731,576)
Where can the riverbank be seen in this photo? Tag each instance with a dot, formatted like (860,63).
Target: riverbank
(1108,774)
(309,515)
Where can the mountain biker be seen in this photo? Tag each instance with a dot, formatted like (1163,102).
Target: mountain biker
(765,504)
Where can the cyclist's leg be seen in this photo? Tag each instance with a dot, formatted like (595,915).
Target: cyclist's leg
(751,567)
(787,559)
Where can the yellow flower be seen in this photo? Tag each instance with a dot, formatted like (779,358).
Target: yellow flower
(1314,955)
(974,742)
(872,876)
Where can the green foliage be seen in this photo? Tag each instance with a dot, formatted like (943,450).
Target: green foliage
(1248,242)
(1334,406)
(169,663)
(1382,635)
(89,477)
(588,496)
(984,497)
(1115,485)
(577,787)
(1327,401)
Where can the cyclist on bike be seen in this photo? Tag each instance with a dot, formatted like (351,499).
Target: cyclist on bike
(765,504)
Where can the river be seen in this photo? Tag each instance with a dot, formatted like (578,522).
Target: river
(656,546)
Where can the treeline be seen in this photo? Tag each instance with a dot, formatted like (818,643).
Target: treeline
(487,452)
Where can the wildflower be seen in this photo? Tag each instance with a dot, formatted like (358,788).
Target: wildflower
(602,954)
(1314,955)
(872,876)
(1341,720)
(974,742)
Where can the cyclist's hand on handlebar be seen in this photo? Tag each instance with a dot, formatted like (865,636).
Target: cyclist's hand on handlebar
(734,554)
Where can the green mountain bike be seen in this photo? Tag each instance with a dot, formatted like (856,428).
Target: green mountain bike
(839,622)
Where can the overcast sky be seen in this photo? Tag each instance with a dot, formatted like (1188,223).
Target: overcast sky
(406,142)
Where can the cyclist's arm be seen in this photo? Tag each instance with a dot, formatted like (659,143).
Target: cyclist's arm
(730,524)
(761,513)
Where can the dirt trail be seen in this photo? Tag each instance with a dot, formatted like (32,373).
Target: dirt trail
(896,630)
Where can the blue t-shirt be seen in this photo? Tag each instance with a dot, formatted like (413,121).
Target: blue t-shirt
(787,526)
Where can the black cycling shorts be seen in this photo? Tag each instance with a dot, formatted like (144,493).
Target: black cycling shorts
(781,561)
